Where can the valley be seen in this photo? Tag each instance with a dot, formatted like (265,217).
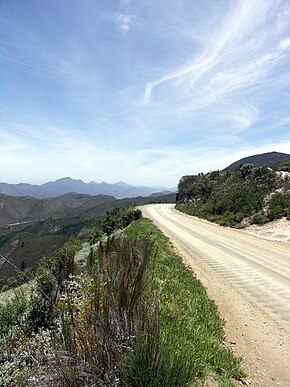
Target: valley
(32,228)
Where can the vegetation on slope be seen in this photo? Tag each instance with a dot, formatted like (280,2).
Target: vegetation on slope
(132,316)
(256,194)
(24,245)
(15,209)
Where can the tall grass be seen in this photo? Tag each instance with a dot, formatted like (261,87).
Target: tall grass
(105,315)
(111,332)
(190,325)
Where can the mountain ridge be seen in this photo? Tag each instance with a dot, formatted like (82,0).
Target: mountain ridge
(21,209)
(62,186)
(269,159)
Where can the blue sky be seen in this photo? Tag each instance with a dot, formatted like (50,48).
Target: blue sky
(140,91)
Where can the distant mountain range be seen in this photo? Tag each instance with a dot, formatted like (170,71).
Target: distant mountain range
(66,185)
(270,159)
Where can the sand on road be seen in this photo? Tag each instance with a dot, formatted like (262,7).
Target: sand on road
(249,279)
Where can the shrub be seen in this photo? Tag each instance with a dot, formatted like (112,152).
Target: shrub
(279,205)
(11,312)
(41,303)
(259,218)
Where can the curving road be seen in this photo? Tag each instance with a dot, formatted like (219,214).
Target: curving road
(249,277)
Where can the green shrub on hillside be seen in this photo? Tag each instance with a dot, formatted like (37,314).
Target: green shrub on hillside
(11,313)
(285,167)
(41,304)
(279,205)
(114,220)
(52,319)
(227,197)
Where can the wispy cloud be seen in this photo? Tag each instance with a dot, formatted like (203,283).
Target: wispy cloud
(238,118)
(213,79)
(241,52)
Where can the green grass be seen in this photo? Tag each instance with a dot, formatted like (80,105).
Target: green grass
(190,325)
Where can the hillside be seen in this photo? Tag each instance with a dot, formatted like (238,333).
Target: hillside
(27,209)
(32,228)
(66,185)
(24,244)
(237,197)
(270,159)
(126,312)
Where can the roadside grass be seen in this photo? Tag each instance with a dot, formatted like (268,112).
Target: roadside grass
(190,325)
(133,315)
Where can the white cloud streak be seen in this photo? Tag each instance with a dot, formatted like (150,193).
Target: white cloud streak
(237,56)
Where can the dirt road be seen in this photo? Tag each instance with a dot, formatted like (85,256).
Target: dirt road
(249,278)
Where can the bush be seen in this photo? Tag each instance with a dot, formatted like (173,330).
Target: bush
(279,205)
(259,218)
(135,317)
(119,218)
(12,312)
(41,304)
(285,167)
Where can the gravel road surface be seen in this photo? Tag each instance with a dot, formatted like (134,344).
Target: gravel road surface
(249,278)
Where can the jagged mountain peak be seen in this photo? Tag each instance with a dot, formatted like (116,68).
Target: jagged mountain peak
(66,185)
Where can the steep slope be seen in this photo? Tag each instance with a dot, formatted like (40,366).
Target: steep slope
(236,197)
(23,209)
(28,209)
(15,209)
(25,244)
